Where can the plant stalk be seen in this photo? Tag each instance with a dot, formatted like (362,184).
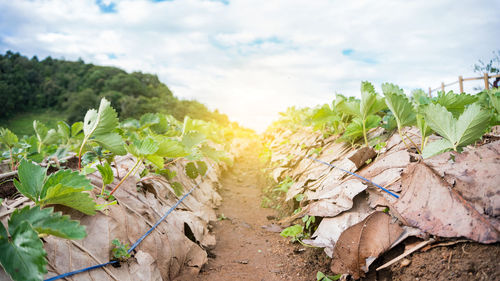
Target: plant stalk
(125,177)
(364,133)
(11,160)
(412,142)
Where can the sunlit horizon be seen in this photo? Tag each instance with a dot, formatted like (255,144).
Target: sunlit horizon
(253,59)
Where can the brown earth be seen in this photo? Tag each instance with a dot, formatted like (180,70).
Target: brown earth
(245,251)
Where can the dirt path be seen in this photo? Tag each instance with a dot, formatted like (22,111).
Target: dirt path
(245,251)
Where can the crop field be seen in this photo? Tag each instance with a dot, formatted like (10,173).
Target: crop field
(216,140)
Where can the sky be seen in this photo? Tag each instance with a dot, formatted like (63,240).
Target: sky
(254,58)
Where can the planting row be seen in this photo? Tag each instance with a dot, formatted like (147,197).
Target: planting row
(436,157)
(127,174)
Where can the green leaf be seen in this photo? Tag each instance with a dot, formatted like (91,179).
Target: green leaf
(68,179)
(192,139)
(148,120)
(454,103)
(44,135)
(45,221)
(425,130)
(170,148)
(400,105)
(371,103)
(191,170)
(64,130)
(8,138)
(162,126)
(106,173)
(214,154)
(494,96)
(22,256)
(436,148)
(31,179)
(178,188)
(202,167)
(76,128)
(158,161)
(292,231)
(469,127)
(70,197)
(142,148)
(100,125)
(419,97)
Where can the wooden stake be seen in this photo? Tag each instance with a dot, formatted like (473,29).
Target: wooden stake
(430,92)
(461,83)
(442,86)
(486,82)
(406,253)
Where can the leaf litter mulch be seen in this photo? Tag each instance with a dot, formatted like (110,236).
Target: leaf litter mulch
(247,251)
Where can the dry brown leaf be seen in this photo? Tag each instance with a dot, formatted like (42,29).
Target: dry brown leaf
(362,243)
(429,203)
(474,174)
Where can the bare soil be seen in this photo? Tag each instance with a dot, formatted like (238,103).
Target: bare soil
(246,251)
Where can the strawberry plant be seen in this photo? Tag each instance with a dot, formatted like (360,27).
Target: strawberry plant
(99,126)
(64,187)
(456,133)
(23,256)
(9,139)
(140,149)
(364,112)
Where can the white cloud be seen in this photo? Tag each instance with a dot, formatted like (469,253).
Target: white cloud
(252,59)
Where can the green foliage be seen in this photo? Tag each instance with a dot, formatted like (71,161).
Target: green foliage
(177,187)
(23,256)
(292,231)
(63,187)
(106,175)
(143,148)
(284,185)
(400,105)
(67,89)
(120,250)
(456,133)
(8,138)
(99,126)
(363,110)
(45,221)
(191,170)
(320,276)
(44,135)
(454,103)
(170,148)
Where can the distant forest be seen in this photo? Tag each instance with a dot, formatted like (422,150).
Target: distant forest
(72,87)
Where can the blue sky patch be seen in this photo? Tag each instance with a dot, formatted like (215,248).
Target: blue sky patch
(357,56)
(106,8)
(225,2)
(347,52)
(112,56)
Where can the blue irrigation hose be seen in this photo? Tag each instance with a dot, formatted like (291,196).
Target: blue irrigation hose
(80,271)
(354,174)
(133,246)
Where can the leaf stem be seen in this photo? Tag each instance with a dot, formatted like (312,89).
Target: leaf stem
(403,139)
(364,132)
(126,176)
(11,159)
(412,142)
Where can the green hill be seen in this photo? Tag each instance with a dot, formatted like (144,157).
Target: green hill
(42,89)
